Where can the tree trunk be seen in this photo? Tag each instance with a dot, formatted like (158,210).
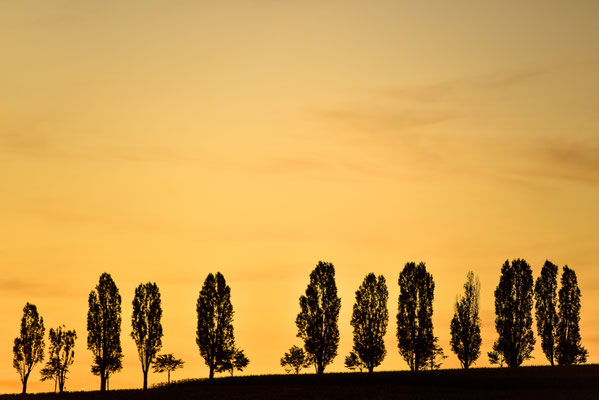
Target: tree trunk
(146,379)
(25,385)
(320,368)
(169,376)
(370,368)
(102,381)
(211,372)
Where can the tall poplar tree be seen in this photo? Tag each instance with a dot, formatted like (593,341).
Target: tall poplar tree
(369,320)
(28,348)
(146,328)
(104,329)
(569,349)
(214,335)
(319,312)
(513,309)
(416,341)
(546,309)
(465,325)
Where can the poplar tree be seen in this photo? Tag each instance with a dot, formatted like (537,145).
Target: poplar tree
(416,341)
(104,329)
(146,328)
(369,320)
(28,348)
(61,354)
(513,309)
(569,349)
(214,335)
(465,325)
(546,309)
(318,316)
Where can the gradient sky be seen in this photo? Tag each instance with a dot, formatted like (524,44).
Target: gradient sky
(163,140)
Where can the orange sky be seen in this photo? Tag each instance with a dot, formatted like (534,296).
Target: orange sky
(163,140)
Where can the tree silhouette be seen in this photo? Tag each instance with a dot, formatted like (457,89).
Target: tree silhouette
(295,360)
(104,329)
(236,360)
(317,319)
(465,324)
(353,361)
(61,356)
(546,306)
(416,341)
(28,348)
(215,322)
(146,326)
(369,320)
(436,359)
(569,349)
(495,357)
(513,307)
(167,363)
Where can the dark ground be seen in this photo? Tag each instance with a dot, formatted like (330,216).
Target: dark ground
(534,383)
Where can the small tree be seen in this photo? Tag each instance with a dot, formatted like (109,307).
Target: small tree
(416,341)
(546,309)
(569,349)
(353,361)
(295,360)
(167,363)
(104,329)
(235,360)
(214,335)
(437,358)
(495,357)
(369,320)
(318,316)
(240,361)
(28,347)
(61,356)
(465,325)
(146,326)
(513,309)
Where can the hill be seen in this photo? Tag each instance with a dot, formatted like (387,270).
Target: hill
(576,382)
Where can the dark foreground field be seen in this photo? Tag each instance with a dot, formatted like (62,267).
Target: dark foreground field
(534,383)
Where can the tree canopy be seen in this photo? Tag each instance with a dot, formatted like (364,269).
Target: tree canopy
(28,349)
(513,309)
(416,341)
(104,329)
(61,356)
(214,335)
(318,316)
(295,360)
(369,321)
(546,309)
(146,326)
(569,349)
(465,324)
(167,363)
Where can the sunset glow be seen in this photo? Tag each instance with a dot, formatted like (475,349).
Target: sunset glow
(163,140)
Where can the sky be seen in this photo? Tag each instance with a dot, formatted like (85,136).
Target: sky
(164,140)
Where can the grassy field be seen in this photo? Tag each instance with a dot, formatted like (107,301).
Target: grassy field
(535,383)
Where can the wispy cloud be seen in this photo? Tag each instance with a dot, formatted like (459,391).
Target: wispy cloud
(564,159)
(450,90)
(410,119)
(32,288)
